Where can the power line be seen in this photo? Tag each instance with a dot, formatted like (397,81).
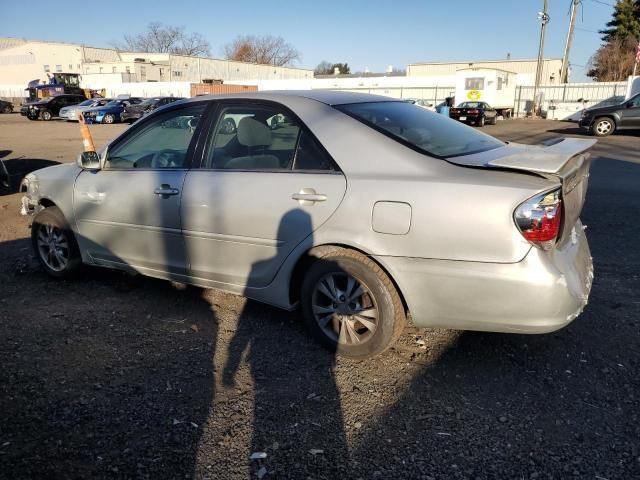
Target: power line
(603,3)
(587,30)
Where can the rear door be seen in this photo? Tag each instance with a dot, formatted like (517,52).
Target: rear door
(128,213)
(265,185)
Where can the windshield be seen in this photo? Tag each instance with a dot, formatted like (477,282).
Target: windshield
(429,132)
(148,102)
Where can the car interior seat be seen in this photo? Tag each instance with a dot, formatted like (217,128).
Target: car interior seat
(256,137)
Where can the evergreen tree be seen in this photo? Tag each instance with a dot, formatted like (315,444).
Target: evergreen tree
(625,21)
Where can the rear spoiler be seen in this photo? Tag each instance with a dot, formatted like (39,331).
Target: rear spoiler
(544,159)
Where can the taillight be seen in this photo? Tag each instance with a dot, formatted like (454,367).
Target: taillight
(538,219)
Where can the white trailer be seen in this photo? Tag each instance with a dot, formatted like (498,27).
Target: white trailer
(491,85)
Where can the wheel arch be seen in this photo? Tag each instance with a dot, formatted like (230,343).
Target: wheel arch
(318,251)
(612,116)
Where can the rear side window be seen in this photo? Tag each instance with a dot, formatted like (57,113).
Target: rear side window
(310,156)
(421,129)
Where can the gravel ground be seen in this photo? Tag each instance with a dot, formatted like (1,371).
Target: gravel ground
(112,376)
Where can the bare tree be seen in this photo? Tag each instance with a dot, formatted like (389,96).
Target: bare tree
(324,68)
(159,38)
(614,60)
(264,49)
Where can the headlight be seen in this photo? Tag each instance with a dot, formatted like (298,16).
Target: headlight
(29,184)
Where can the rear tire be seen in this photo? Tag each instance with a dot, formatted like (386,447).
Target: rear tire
(54,244)
(480,122)
(7,109)
(603,127)
(350,305)
(46,115)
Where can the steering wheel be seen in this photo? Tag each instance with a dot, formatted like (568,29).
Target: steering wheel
(163,159)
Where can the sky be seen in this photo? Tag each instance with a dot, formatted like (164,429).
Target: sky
(364,33)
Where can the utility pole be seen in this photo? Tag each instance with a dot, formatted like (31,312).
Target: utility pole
(544,19)
(567,47)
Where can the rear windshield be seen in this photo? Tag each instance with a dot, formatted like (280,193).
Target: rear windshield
(426,131)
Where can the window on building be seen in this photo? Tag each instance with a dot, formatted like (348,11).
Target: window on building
(177,74)
(143,73)
(78,66)
(113,69)
(100,69)
(474,83)
(58,68)
(500,81)
(70,66)
(127,69)
(47,68)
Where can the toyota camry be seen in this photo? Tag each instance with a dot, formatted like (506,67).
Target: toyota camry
(365,211)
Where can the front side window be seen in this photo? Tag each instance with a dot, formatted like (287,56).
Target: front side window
(162,142)
(421,129)
(474,83)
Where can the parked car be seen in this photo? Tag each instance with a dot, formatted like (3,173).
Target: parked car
(477,113)
(111,112)
(603,121)
(71,113)
(49,107)
(421,103)
(6,107)
(359,208)
(134,112)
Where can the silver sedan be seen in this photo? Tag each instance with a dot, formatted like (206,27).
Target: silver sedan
(362,210)
(71,112)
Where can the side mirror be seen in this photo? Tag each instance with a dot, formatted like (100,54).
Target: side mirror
(630,105)
(89,161)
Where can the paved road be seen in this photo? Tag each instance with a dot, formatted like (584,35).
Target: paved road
(117,377)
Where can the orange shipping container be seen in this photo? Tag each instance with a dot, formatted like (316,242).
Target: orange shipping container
(219,89)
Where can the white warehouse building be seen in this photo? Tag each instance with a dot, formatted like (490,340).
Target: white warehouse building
(525,69)
(22,61)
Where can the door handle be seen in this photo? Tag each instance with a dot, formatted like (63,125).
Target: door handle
(166,190)
(308,196)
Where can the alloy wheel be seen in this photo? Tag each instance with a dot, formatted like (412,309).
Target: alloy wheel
(603,127)
(53,247)
(344,309)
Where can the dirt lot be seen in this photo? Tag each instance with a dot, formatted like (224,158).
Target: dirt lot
(111,376)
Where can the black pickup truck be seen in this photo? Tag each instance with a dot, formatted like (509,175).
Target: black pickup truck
(603,121)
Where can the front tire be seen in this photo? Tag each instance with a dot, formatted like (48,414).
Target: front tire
(46,115)
(54,244)
(109,118)
(350,305)
(603,126)
(7,109)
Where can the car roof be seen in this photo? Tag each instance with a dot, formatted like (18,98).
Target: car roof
(328,97)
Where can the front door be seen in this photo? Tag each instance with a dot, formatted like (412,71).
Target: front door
(266,185)
(128,213)
(631,113)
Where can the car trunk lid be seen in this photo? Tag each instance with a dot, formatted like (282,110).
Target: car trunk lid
(566,160)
